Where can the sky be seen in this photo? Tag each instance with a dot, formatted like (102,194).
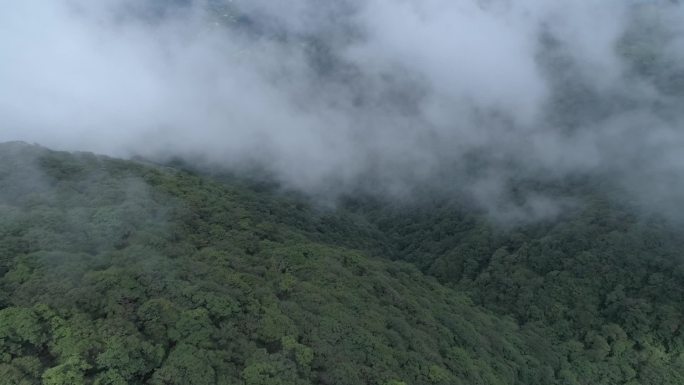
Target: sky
(388,97)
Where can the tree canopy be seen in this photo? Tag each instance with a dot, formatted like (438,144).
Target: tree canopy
(117,272)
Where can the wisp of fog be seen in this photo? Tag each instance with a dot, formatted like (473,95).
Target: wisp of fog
(381,96)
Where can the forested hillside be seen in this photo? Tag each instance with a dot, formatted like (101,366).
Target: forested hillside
(608,284)
(117,272)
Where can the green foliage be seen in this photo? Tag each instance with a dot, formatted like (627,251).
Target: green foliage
(71,372)
(21,333)
(115,272)
(186,365)
(599,275)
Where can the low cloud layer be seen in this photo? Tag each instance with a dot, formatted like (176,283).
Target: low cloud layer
(386,96)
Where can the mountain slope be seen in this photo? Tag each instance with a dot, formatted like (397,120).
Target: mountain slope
(120,272)
(607,284)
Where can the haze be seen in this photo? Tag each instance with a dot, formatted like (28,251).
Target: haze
(383,96)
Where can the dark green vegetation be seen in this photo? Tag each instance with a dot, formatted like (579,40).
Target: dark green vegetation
(116,272)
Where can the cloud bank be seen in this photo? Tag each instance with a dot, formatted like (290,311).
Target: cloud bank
(384,96)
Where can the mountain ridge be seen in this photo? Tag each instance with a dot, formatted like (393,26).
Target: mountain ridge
(121,272)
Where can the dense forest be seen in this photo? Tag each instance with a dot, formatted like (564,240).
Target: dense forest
(118,272)
(342,193)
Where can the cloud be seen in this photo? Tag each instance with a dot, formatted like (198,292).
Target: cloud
(385,96)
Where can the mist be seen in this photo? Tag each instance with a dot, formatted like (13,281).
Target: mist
(389,97)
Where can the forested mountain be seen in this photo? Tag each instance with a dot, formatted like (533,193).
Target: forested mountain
(352,192)
(119,272)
